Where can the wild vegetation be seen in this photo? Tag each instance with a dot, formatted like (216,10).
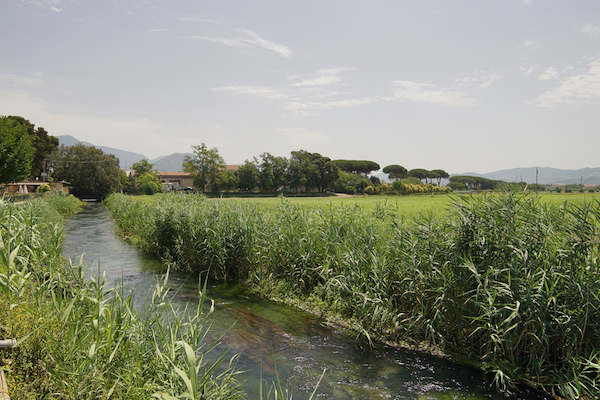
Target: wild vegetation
(78,339)
(509,282)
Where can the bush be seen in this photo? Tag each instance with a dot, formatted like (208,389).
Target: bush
(43,188)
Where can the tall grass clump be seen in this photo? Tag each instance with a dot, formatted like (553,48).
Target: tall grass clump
(501,280)
(82,340)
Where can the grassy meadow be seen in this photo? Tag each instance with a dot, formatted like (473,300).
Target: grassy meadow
(507,281)
(80,339)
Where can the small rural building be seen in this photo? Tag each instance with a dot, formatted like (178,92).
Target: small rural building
(179,180)
(175,180)
(32,186)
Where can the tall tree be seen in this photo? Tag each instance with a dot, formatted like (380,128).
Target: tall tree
(125,182)
(148,183)
(419,173)
(247,176)
(395,172)
(364,167)
(311,171)
(91,172)
(204,167)
(272,171)
(141,167)
(146,180)
(43,143)
(226,180)
(439,174)
(16,151)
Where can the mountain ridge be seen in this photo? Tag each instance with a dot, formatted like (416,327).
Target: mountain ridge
(545,175)
(171,162)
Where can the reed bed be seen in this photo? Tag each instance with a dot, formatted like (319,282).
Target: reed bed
(85,340)
(507,281)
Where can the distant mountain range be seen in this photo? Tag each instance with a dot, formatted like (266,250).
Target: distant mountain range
(171,162)
(545,175)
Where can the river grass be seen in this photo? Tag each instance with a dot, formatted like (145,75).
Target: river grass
(509,282)
(81,339)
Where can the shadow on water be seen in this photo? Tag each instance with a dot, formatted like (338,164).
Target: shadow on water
(269,336)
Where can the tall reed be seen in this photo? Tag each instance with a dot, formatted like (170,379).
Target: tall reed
(84,340)
(502,280)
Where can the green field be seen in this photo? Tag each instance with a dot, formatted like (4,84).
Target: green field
(405,206)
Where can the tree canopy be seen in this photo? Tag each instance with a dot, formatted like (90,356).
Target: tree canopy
(311,171)
(43,143)
(439,174)
(148,183)
(16,151)
(141,167)
(204,166)
(473,182)
(419,173)
(364,167)
(91,172)
(395,172)
(247,176)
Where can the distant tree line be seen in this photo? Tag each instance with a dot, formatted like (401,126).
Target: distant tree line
(466,182)
(25,152)
(304,171)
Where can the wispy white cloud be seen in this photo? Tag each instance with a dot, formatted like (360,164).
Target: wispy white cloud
(198,18)
(157,30)
(591,29)
(307,107)
(530,44)
(479,79)
(52,5)
(295,99)
(248,40)
(312,95)
(528,70)
(322,77)
(549,73)
(428,93)
(265,93)
(580,88)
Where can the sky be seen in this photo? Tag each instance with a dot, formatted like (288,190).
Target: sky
(464,86)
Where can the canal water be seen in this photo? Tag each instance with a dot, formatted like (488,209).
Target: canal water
(271,337)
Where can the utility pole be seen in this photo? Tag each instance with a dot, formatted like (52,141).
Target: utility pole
(536,181)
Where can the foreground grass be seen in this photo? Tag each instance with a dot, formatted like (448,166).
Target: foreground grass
(507,281)
(85,340)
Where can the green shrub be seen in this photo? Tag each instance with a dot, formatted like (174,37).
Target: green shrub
(43,188)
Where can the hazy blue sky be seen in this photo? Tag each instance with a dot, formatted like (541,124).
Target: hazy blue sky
(459,85)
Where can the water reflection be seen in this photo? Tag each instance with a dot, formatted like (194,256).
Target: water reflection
(270,336)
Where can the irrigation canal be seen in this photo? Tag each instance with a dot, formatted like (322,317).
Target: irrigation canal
(267,335)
